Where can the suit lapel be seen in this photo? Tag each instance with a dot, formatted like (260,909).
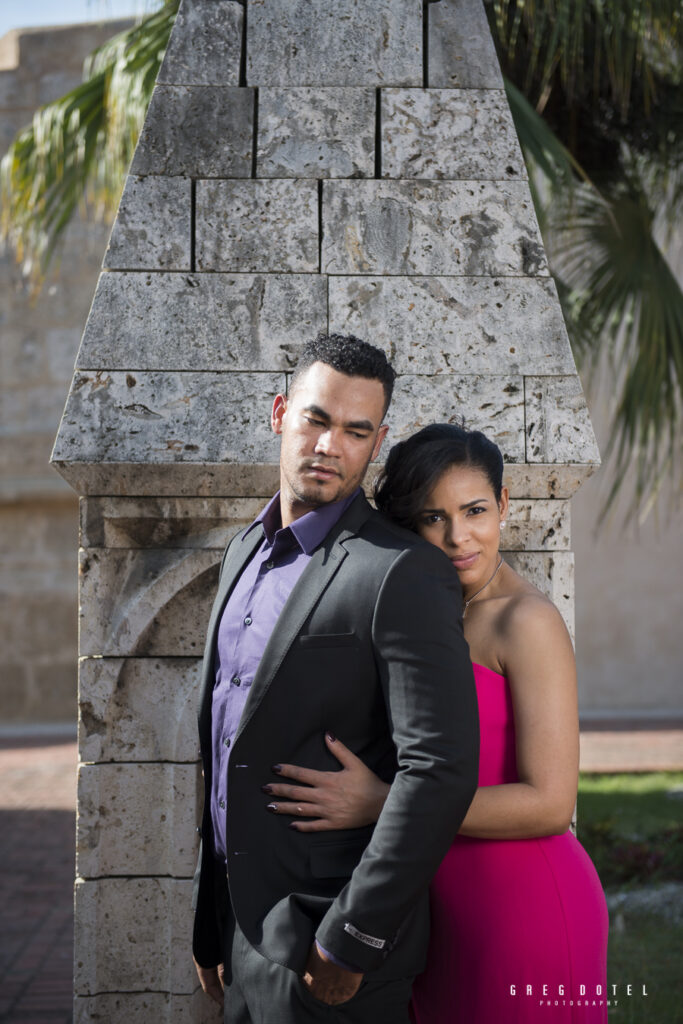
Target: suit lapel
(316,577)
(240,551)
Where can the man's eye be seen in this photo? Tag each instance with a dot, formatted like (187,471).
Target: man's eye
(361,437)
(315,423)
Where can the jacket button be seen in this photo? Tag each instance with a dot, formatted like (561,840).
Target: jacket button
(236,681)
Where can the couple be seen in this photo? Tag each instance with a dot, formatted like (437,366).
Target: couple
(338,681)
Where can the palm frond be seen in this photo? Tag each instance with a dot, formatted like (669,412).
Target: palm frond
(591,47)
(624,304)
(78,148)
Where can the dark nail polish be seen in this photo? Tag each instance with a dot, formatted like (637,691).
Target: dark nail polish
(272,808)
(277,768)
(266,789)
(294,826)
(331,736)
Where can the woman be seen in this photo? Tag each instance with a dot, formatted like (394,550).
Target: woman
(519,920)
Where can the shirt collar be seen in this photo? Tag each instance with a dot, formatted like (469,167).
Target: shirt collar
(309,530)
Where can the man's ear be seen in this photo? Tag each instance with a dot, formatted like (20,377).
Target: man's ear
(278,413)
(381,434)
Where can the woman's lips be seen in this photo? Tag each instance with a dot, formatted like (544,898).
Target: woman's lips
(465,561)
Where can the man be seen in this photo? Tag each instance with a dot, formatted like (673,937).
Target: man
(329,618)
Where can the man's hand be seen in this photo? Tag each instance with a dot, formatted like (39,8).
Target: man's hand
(328,982)
(211,980)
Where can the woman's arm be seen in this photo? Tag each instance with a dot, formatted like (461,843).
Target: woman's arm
(539,663)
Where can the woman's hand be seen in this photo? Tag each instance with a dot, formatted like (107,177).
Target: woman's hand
(348,798)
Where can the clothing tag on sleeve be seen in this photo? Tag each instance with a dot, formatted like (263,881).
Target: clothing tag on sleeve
(369,940)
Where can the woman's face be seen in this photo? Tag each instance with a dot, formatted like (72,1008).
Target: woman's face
(462,517)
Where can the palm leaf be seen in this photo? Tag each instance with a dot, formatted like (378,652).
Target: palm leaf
(78,148)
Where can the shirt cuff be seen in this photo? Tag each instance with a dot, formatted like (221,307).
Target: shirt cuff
(336,960)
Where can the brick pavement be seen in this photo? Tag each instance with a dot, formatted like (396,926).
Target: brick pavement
(37,821)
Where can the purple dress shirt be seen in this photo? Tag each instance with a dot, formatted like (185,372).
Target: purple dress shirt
(248,619)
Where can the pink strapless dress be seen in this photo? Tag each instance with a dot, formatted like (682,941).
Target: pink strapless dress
(519,926)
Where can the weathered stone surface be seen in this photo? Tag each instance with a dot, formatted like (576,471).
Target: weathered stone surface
(557,423)
(137,819)
(131,935)
(199,131)
(165,522)
(466,228)
(231,479)
(553,574)
(334,42)
(169,417)
(258,226)
(461,50)
(138,709)
(202,321)
(447,324)
(153,227)
(150,602)
(316,133)
(449,133)
(492,404)
(205,45)
(145,1007)
(536,526)
(543,481)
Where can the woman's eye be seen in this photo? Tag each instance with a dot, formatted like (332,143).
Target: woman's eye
(431,518)
(477,510)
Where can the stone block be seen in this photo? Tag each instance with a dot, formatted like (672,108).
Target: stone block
(334,42)
(138,709)
(536,526)
(169,417)
(137,819)
(465,228)
(153,226)
(205,45)
(257,226)
(146,479)
(461,50)
(553,574)
(316,133)
(449,133)
(198,131)
(558,426)
(455,324)
(202,321)
(145,1007)
(492,404)
(165,522)
(146,603)
(132,935)
(539,480)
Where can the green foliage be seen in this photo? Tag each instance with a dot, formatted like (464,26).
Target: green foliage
(78,148)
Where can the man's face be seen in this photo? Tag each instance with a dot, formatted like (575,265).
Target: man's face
(331,429)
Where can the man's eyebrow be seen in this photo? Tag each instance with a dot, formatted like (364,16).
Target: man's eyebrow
(350,425)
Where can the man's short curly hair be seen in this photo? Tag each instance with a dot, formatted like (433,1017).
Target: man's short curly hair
(350,355)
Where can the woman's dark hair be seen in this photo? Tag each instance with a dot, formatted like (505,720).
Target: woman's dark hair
(414,466)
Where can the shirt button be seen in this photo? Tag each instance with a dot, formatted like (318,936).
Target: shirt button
(270,565)
(247,621)
(221,804)
(226,743)
(236,681)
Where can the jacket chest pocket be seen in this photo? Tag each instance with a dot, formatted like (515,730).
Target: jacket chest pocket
(307,641)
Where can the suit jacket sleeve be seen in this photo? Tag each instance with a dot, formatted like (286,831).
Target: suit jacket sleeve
(426,676)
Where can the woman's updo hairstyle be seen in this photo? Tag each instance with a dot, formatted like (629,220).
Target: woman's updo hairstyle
(414,466)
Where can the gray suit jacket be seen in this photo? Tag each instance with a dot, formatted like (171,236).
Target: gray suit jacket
(369,646)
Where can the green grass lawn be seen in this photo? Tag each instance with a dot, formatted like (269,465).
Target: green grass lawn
(634,833)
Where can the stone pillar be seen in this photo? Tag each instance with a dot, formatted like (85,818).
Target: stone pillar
(338,165)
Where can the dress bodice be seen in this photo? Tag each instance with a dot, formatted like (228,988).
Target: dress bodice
(497,757)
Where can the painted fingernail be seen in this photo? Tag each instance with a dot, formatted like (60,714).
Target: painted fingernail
(331,737)
(277,768)
(293,825)
(266,789)
(271,807)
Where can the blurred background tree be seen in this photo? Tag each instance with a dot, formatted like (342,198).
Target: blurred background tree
(595,91)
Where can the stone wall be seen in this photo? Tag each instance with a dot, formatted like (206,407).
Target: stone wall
(38,342)
(303,165)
